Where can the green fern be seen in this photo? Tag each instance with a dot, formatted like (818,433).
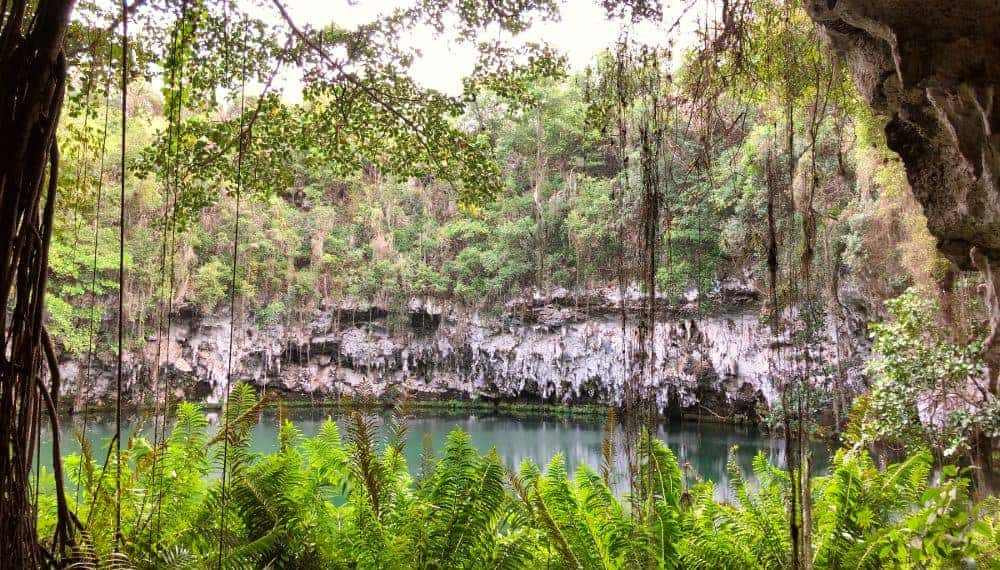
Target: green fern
(334,502)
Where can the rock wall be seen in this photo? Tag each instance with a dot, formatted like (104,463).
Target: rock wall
(933,67)
(556,348)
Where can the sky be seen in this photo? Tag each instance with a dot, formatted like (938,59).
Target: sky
(582,31)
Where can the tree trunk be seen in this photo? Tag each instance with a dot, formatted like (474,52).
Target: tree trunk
(33,68)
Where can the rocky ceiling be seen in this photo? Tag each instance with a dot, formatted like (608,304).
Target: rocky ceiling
(933,67)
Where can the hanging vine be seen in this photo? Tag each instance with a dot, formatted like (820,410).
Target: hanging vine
(33,65)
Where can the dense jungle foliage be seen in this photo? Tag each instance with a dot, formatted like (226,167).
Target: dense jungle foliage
(554,223)
(352,502)
(739,130)
(557,219)
(767,171)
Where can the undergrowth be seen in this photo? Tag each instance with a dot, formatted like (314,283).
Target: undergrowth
(346,499)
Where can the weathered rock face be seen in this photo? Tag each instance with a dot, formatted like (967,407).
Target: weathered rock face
(556,348)
(934,68)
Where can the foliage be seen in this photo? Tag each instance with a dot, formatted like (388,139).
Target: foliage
(927,385)
(866,518)
(350,502)
(813,401)
(210,284)
(376,188)
(192,146)
(369,209)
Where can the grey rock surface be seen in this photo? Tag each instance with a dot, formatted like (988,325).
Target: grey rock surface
(558,348)
(933,68)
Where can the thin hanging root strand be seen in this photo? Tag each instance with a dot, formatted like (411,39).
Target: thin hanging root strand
(84,382)
(242,142)
(121,288)
(165,308)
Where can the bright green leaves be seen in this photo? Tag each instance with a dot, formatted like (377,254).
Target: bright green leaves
(587,525)
(916,363)
(659,487)
(895,518)
(330,501)
(864,517)
(558,510)
(211,282)
(468,491)
(590,230)
(360,108)
(379,121)
(513,74)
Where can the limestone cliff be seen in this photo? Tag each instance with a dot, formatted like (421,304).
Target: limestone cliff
(557,347)
(933,67)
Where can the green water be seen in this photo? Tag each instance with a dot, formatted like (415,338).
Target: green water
(701,448)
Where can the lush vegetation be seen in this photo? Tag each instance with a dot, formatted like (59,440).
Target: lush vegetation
(349,501)
(752,161)
(927,389)
(547,192)
(554,223)
(559,208)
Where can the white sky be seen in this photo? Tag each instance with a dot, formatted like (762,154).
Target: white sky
(582,31)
